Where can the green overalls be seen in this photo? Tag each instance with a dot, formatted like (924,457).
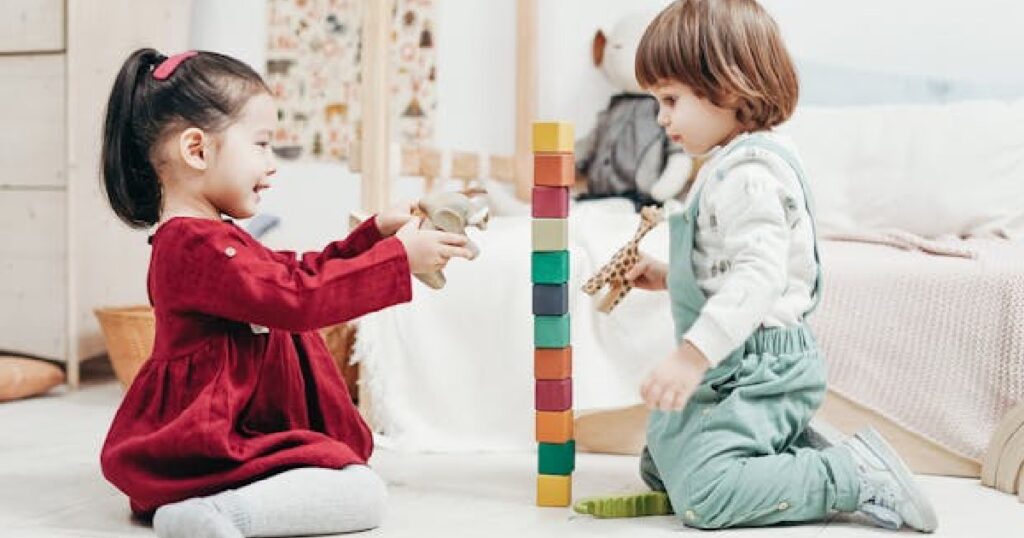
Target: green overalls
(736,455)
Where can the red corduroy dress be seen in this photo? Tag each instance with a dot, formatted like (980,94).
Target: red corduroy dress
(221,402)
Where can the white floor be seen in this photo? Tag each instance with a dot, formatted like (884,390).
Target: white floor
(50,486)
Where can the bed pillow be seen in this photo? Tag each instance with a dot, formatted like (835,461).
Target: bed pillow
(21,377)
(933,170)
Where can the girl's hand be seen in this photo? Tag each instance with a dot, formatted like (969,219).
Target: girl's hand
(669,386)
(648,273)
(393,218)
(429,250)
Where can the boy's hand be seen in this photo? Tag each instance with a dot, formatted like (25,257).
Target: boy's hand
(648,273)
(429,250)
(391,219)
(669,386)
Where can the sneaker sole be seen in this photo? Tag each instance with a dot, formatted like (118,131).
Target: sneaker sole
(888,456)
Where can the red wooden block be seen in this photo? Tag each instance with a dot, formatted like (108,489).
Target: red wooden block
(551,202)
(554,394)
(554,169)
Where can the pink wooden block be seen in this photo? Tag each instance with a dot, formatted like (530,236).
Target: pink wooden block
(551,202)
(554,394)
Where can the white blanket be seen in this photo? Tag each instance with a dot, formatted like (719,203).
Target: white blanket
(933,342)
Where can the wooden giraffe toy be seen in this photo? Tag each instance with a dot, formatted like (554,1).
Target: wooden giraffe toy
(613,274)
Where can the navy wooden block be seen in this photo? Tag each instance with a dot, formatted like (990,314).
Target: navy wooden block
(550,299)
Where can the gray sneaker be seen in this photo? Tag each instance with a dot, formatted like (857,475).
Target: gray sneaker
(888,494)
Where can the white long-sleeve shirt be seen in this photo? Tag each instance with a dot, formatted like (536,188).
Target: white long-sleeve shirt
(754,246)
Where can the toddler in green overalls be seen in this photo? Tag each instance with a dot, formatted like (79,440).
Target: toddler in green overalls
(727,440)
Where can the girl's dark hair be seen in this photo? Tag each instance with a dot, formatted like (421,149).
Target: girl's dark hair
(207,91)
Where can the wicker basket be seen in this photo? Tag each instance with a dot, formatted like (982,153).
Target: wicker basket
(129,332)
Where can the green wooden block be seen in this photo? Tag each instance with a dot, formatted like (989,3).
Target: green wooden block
(550,235)
(550,267)
(557,459)
(551,331)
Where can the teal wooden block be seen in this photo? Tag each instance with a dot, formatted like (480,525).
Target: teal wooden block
(551,331)
(556,459)
(550,267)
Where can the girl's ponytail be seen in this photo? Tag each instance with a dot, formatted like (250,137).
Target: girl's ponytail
(128,176)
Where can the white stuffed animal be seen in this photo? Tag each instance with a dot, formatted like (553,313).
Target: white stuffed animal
(627,152)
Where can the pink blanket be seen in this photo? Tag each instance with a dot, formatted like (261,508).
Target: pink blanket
(934,342)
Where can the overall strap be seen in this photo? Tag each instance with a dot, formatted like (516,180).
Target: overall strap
(773,147)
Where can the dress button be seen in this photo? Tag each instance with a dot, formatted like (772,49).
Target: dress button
(783,505)
(230,252)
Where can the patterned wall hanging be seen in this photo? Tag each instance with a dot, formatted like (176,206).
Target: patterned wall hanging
(313,68)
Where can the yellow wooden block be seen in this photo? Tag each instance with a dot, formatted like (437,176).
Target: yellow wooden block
(554,490)
(550,235)
(553,137)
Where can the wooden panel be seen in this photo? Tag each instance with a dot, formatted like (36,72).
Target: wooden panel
(32,141)
(526,93)
(32,26)
(33,272)
(376,125)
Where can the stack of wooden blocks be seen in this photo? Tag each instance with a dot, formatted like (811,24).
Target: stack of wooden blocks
(554,171)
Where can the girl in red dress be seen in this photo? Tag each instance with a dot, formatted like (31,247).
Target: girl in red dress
(240,424)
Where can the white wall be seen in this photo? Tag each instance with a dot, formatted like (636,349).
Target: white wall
(476,67)
(476,51)
(934,38)
(976,39)
(476,75)
(237,28)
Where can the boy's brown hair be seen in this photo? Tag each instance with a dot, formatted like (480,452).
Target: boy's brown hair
(727,51)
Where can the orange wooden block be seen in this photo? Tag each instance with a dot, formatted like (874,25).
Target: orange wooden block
(554,426)
(552,363)
(554,169)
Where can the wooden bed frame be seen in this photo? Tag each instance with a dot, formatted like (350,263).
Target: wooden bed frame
(617,431)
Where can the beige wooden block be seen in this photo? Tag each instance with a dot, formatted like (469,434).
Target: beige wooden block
(32,26)
(32,141)
(550,235)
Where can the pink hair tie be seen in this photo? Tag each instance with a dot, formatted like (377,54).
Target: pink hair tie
(167,67)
